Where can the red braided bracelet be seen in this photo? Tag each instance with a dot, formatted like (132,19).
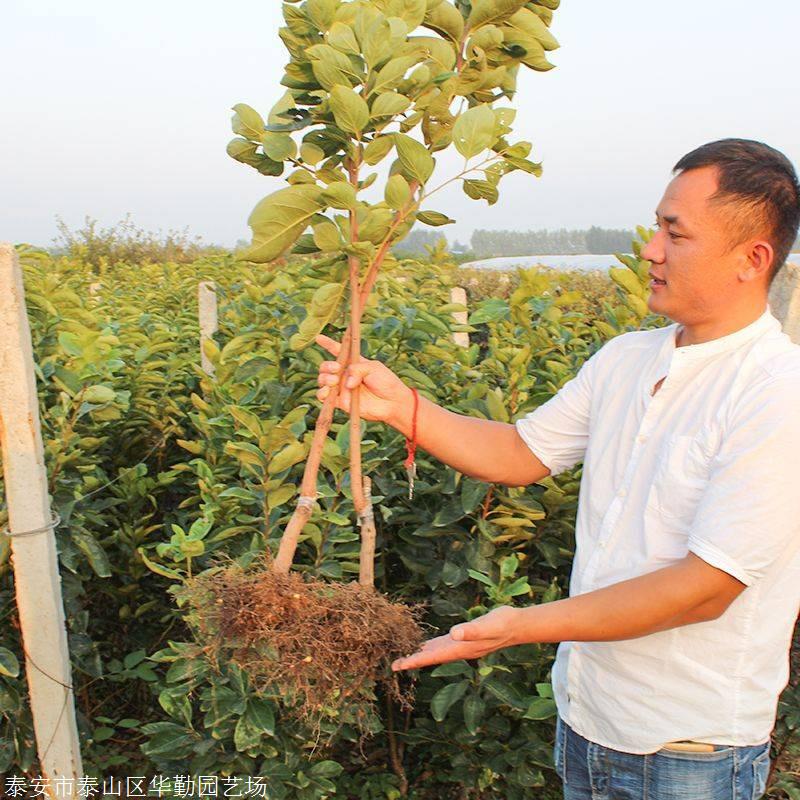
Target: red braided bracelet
(411,444)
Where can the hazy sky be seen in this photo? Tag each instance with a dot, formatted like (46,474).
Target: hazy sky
(110,107)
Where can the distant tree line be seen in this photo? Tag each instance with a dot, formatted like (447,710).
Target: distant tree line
(485,243)
(562,241)
(414,244)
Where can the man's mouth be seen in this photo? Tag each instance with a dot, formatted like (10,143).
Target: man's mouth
(654,281)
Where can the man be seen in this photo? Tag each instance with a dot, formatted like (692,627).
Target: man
(686,580)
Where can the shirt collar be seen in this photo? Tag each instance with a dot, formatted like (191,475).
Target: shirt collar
(766,322)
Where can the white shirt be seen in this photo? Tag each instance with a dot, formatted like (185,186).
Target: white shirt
(709,464)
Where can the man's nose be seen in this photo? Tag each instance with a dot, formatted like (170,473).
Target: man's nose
(654,250)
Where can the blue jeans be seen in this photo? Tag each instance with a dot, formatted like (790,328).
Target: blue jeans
(592,772)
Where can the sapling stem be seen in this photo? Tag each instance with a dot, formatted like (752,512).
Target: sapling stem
(308,488)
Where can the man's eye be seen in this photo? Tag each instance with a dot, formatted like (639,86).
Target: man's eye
(674,235)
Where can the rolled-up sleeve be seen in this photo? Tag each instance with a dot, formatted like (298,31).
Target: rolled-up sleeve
(557,432)
(749,515)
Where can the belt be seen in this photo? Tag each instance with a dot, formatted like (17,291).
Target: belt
(689,747)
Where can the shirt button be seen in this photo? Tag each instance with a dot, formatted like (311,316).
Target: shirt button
(623,492)
(641,438)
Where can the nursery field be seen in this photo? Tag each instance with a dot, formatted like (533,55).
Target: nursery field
(161,472)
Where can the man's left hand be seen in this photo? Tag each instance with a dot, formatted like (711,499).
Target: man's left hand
(474,639)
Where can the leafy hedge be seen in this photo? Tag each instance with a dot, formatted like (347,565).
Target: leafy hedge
(158,470)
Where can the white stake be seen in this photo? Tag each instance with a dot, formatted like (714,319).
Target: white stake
(207,311)
(36,577)
(459,295)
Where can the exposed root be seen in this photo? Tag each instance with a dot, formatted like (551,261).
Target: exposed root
(321,647)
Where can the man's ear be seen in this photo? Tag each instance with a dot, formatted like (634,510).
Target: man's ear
(758,260)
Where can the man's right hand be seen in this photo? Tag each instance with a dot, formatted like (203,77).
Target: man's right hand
(382,393)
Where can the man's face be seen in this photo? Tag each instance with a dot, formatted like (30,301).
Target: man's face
(691,251)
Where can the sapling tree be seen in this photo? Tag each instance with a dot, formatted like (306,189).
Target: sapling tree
(370,84)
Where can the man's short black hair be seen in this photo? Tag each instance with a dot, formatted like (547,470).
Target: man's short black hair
(760,185)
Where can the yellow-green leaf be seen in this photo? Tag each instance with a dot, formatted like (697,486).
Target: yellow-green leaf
(327,237)
(445,19)
(341,37)
(247,122)
(398,192)
(474,131)
(339,195)
(279,219)
(278,146)
(485,12)
(378,149)
(389,104)
(415,160)
(280,496)
(350,110)
(433,218)
(290,455)
(311,154)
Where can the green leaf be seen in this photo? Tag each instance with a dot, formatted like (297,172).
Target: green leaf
(99,395)
(171,742)
(490,310)
(290,455)
(433,218)
(446,697)
(378,149)
(480,577)
(339,195)
(323,306)
(541,708)
(415,160)
(94,552)
(520,586)
(452,668)
(261,715)
(102,733)
(349,109)
(247,122)
(376,225)
(247,733)
(481,190)
(505,692)
(508,566)
(165,572)
(487,12)
(9,665)
(474,706)
(176,703)
(278,146)
(398,192)
(327,237)
(326,769)
(474,131)
(278,220)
